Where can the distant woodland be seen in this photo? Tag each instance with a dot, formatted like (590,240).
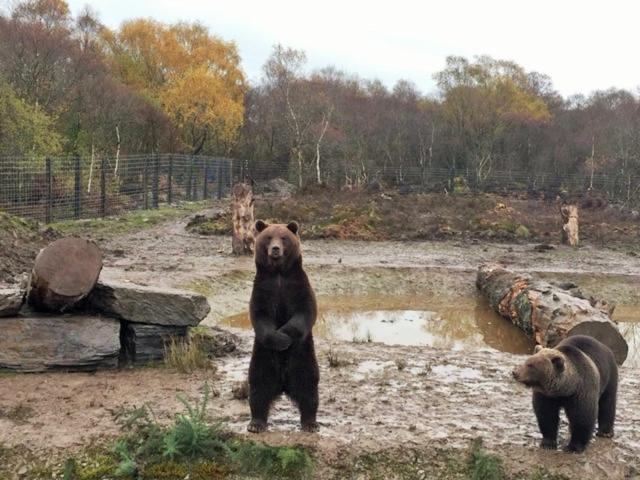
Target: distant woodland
(70,85)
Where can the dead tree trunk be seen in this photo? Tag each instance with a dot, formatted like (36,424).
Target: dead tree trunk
(548,313)
(242,216)
(569,214)
(64,273)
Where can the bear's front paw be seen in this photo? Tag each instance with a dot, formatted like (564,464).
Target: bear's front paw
(604,434)
(257,426)
(574,448)
(548,444)
(280,341)
(310,427)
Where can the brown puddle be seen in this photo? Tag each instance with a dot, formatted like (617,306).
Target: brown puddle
(408,320)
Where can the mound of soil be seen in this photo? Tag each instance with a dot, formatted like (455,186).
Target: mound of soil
(20,242)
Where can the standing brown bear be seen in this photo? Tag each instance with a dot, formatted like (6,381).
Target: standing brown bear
(580,375)
(283,311)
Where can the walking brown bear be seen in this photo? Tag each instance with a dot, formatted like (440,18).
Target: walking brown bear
(283,311)
(580,375)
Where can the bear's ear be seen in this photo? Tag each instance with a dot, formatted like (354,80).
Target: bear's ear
(260,226)
(294,227)
(537,348)
(558,363)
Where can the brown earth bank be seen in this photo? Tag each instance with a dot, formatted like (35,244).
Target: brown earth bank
(379,400)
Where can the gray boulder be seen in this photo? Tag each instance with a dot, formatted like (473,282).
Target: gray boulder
(39,343)
(143,344)
(11,300)
(157,306)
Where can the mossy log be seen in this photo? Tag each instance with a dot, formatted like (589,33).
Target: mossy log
(242,218)
(64,273)
(548,313)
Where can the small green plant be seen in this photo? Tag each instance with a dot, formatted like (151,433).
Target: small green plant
(276,462)
(335,359)
(484,465)
(186,355)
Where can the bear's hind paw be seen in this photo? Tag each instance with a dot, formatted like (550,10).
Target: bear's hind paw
(604,434)
(257,426)
(311,427)
(548,444)
(573,448)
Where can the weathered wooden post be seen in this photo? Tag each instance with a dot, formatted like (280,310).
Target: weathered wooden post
(156,181)
(205,169)
(242,218)
(548,313)
(569,214)
(145,183)
(220,178)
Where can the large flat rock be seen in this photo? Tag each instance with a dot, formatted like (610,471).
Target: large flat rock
(39,343)
(143,343)
(157,306)
(11,300)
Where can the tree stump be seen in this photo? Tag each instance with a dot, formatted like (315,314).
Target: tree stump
(548,313)
(569,214)
(242,217)
(64,273)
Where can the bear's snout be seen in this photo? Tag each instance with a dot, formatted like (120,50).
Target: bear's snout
(516,374)
(275,251)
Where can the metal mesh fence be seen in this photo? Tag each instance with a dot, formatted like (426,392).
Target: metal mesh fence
(53,189)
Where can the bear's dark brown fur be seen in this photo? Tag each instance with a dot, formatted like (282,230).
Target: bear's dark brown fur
(283,311)
(580,375)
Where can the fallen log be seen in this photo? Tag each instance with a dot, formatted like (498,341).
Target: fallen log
(139,304)
(64,273)
(242,218)
(143,344)
(39,343)
(547,313)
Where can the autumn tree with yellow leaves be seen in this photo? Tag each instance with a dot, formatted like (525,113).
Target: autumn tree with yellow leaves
(194,76)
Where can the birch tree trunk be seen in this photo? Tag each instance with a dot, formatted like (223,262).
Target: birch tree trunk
(570,235)
(242,218)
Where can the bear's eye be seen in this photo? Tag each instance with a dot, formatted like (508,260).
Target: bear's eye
(269,238)
(285,239)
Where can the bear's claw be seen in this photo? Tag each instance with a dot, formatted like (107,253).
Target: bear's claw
(571,448)
(604,434)
(548,444)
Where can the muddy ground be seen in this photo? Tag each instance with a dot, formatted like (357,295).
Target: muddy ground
(381,397)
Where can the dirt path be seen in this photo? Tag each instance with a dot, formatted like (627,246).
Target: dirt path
(435,398)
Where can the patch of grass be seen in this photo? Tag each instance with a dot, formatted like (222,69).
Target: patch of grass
(128,222)
(275,462)
(401,364)
(484,465)
(187,355)
(335,359)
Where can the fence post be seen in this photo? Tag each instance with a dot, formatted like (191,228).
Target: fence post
(204,183)
(170,181)
(145,183)
(103,186)
(190,180)
(49,176)
(156,179)
(77,210)
(219,160)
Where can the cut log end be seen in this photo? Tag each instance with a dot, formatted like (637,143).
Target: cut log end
(64,273)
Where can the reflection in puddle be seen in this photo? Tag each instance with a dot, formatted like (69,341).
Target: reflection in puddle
(470,324)
(409,320)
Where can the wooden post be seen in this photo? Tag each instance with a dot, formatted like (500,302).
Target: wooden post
(77,210)
(205,168)
(190,179)
(170,181)
(156,180)
(145,183)
(219,178)
(548,313)
(103,186)
(242,217)
(49,180)
(569,214)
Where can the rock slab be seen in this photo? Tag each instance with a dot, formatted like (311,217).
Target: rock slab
(143,344)
(61,342)
(138,304)
(11,300)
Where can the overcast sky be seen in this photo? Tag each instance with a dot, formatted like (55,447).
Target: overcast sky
(583,45)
